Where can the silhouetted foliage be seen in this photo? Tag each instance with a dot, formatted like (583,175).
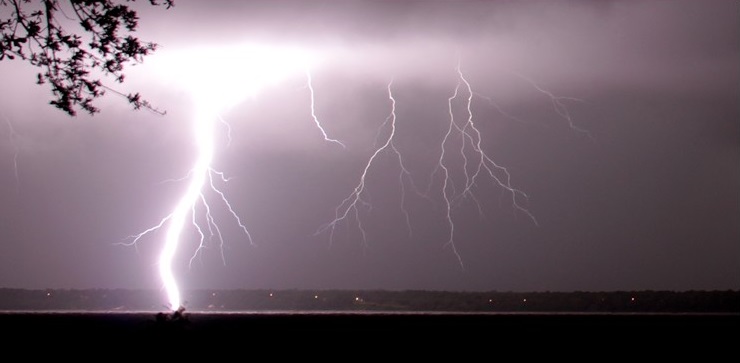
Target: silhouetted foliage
(172,322)
(37,31)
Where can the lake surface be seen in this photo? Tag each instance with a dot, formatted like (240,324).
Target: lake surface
(370,336)
(439,324)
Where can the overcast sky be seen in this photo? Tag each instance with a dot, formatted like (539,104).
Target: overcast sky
(640,192)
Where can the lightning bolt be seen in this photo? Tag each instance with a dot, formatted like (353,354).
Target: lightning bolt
(476,165)
(201,177)
(258,67)
(350,206)
(483,164)
(558,103)
(13,136)
(309,84)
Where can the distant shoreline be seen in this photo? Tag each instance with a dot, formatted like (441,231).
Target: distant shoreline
(409,301)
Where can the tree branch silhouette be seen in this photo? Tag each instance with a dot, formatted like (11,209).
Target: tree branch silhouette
(73,62)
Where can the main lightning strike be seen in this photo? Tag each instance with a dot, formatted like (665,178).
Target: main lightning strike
(201,176)
(220,79)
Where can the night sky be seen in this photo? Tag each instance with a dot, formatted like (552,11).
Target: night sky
(641,193)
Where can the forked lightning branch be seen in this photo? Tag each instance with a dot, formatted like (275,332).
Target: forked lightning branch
(220,78)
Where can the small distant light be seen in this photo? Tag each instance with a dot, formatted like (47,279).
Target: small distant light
(316,296)
(48,294)
(490,300)
(214,294)
(270,294)
(357,299)
(524,300)
(632,299)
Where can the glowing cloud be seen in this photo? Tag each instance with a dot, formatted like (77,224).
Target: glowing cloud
(220,77)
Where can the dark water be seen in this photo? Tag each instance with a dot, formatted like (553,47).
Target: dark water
(368,336)
(309,325)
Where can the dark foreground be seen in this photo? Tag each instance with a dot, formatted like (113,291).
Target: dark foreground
(371,329)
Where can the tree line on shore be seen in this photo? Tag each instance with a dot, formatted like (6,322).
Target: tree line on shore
(726,301)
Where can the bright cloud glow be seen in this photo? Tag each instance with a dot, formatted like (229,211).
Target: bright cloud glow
(220,77)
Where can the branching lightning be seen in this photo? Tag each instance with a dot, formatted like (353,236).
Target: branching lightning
(13,137)
(482,165)
(309,84)
(477,165)
(350,205)
(263,66)
(214,89)
(558,103)
(201,177)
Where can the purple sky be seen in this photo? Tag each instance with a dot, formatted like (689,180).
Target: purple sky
(651,201)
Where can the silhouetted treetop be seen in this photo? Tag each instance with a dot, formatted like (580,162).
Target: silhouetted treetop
(100,44)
